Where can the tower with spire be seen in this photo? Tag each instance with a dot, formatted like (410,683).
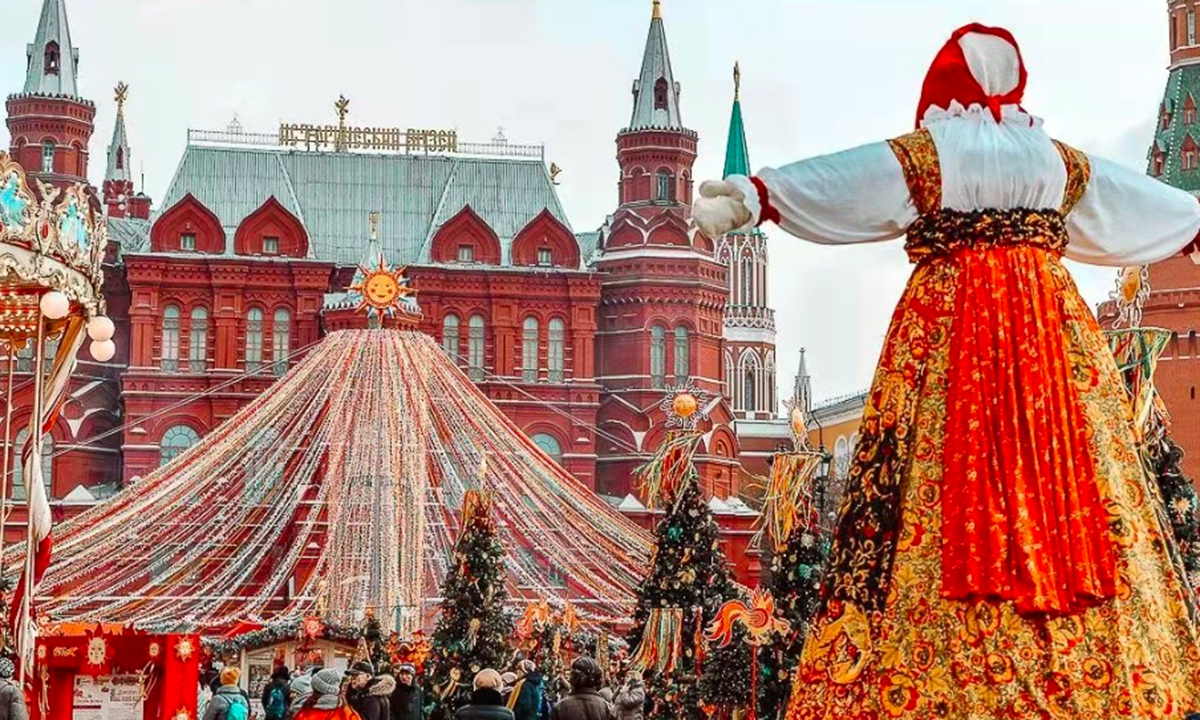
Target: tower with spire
(663,293)
(49,122)
(749,321)
(120,199)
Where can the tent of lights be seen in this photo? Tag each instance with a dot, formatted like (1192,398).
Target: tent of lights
(338,492)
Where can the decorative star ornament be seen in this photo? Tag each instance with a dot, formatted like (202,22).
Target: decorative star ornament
(684,406)
(381,290)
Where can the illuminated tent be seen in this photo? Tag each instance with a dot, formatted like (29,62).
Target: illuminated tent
(335,492)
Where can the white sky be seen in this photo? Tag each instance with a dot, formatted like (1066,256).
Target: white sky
(818,76)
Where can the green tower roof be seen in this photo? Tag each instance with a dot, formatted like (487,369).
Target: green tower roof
(1177,130)
(737,155)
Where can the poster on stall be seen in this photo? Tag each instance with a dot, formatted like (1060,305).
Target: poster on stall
(116,697)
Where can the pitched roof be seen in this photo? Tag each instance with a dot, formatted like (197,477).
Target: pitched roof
(130,234)
(1183,82)
(333,195)
(737,153)
(52,27)
(118,146)
(656,66)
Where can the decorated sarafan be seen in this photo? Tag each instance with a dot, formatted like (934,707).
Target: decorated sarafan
(56,243)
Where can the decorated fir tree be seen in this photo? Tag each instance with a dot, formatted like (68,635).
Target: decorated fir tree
(689,580)
(473,629)
(1180,501)
(725,683)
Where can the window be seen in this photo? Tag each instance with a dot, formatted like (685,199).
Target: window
(187,242)
(475,339)
(270,246)
(466,253)
(666,188)
(175,441)
(48,156)
(1189,111)
(549,445)
(450,336)
(747,294)
(682,352)
(254,339)
(730,375)
(749,398)
(544,257)
(198,341)
(170,339)
(1189,158)
(1166,117)
(555,351)
(841,458)
(658,357)
(18,472)
(660,94)
(52,58)
(1159,161)
(120,158)
(25,357)
(1191,27)
(529,350)
(281,340)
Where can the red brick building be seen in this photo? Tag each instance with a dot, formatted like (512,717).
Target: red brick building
(575,335)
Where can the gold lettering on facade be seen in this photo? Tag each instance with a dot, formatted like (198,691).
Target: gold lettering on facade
(342,137)
(65,651)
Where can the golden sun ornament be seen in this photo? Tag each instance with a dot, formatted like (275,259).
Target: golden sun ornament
(381,289)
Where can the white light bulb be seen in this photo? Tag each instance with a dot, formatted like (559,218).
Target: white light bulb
(103,351)
(100,328)
(55,305)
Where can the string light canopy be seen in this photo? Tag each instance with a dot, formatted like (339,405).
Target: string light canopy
(338,492)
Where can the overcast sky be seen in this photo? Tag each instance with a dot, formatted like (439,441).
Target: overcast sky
(818,76)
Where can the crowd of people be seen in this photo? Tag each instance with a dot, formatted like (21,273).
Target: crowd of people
(361,693)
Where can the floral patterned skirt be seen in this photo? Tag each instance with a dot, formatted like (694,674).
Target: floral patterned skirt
(888,642)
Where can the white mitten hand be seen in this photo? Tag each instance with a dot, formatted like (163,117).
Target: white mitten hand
(720,209)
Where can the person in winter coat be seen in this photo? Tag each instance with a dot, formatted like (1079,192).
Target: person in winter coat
(301,689)
(584,701)
(528,693)
(12,699)
(630,700)
(229,702)
(486,701)
(408,702)
(277,694)
(326,701)
(369,694)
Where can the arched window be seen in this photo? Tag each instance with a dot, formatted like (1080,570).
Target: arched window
(281,340)
(254,339)
(52,58)
(175,441)
(18,471)
(841,458)
(120,158)
(529,350)
(747,294)
(48,156)
(658,357)
(749,388)
(666,187)
(475,347)
(730,378)
(549,445)
(198,340)
(450,336)
(170,339)
(660,94)
(682,354)
(556,351)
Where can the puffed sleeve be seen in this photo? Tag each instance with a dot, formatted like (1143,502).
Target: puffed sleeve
(854,196)
(1127,218)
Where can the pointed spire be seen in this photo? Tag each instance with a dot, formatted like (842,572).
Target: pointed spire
(737,154)
(655,92)
(802,387)
(118,149)
(53,62)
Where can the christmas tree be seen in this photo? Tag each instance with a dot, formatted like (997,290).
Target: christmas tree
(1179,498)
(473,629)
(725,682)
(688,582)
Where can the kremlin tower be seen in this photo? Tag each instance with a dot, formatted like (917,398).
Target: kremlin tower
(120,200)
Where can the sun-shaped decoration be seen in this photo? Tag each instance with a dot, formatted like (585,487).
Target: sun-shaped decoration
(313,627)
(185,648)
(182,714)
(381,290)
(797,424)
(97,651)
(684,406)
(1130,295)
(154,650)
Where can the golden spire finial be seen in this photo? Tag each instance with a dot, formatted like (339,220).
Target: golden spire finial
(343,108)
(122,93)
(657,12)
(374,218)
(737,81)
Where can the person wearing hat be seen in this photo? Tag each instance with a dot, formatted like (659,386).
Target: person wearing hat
(369,694)
(12,700)
(486,701)
(408,702)
(326,701)
(528,694)
(229,702)
(584,701)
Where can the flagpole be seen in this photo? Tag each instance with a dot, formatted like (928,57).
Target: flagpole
(35,454)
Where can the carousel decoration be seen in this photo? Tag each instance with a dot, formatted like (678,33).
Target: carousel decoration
(51,291)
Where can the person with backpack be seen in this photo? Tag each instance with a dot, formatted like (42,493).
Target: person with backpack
(528,694)
(229,702)
(277,694)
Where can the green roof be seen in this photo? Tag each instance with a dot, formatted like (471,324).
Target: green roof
(333,194)
(1183,82)
(737,155)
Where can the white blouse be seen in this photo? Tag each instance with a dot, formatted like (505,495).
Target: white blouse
(860,195)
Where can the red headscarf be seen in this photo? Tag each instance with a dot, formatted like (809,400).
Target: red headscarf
(950,77)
